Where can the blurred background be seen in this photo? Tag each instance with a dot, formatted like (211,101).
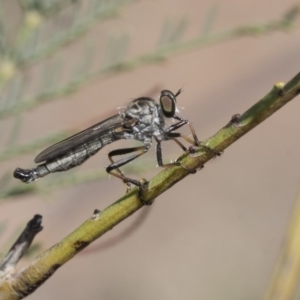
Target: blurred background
(66,65)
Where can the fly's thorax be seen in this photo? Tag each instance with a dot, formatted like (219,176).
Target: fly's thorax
(149,120)
(145,110)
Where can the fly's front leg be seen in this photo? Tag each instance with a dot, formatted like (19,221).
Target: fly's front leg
(179,124)
(114,170)
(195,141)
(182,122)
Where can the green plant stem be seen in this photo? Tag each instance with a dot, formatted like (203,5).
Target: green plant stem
(47,263)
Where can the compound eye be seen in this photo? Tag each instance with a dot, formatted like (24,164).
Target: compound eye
(168,103)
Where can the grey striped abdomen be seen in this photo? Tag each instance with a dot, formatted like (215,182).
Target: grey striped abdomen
(75,157)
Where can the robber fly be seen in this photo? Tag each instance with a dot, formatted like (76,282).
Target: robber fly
(143,119)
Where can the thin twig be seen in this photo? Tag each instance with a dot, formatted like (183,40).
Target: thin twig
(8,264)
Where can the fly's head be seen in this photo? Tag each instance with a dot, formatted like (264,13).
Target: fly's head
(168,103)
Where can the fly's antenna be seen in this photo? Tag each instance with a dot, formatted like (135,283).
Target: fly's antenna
(178,93)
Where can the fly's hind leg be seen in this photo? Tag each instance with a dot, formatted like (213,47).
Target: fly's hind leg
(113,168)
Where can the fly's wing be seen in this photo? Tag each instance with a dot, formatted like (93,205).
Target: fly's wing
(81,137)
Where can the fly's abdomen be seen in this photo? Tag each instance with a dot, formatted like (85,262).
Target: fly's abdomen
(64,162)
(73,158)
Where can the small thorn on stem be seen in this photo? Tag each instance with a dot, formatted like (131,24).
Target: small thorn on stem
(96,214)
(235,119)
(192,149)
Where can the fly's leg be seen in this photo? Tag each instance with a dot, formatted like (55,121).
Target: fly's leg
(115,165)
(195,141)
(114,170)
(176,163)
(159,156)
